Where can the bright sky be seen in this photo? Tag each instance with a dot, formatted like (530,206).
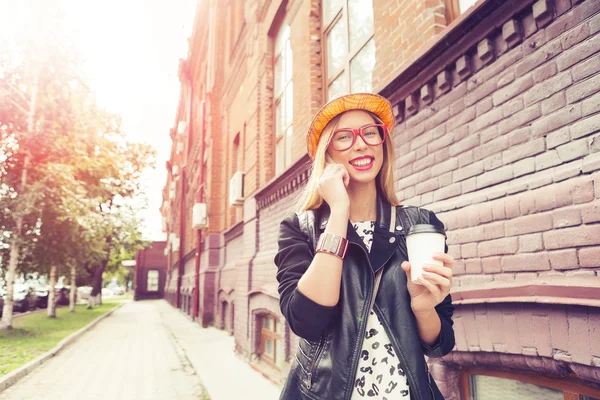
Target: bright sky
(132,50)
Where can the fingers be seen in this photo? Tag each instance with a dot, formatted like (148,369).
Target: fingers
(437,279)
(447,259)
(439,270)
(405,266)
(434,289)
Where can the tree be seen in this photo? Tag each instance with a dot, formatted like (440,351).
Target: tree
(67,169)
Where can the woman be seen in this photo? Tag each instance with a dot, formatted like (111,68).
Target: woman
(347,244)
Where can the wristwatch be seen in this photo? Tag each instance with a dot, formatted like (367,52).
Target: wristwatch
(332,244)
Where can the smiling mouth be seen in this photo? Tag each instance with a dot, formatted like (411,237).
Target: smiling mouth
(363,162)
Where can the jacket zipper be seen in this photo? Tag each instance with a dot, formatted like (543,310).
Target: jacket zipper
(405,364)
(314,362)
(365,315)
(412,383)
(429,382)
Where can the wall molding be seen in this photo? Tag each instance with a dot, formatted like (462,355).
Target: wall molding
(285,184)
(465,47)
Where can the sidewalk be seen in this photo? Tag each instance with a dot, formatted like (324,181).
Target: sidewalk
(128,355)
(211,353)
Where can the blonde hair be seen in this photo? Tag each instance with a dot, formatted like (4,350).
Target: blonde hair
(310,197)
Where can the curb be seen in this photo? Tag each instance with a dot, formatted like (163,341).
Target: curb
(14,376)
(201,392)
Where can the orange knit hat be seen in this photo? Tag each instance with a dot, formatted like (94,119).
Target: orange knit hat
(371,102)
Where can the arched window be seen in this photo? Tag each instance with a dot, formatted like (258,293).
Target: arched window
(500,385)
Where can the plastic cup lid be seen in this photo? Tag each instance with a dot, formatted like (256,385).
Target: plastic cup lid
(425,228)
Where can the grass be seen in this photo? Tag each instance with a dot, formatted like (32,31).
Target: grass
(35,334)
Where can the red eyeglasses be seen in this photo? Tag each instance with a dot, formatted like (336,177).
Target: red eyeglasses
(373,135)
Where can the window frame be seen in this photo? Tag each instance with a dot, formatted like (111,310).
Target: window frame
(571,389)
(343,12)
(271,335)
(278,99)
(453,10)
(157,280)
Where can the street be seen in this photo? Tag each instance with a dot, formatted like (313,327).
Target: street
(129,355)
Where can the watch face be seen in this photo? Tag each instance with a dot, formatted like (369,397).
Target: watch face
(335,244)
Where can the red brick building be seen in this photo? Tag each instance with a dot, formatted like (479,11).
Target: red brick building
(150,272)
(497,106)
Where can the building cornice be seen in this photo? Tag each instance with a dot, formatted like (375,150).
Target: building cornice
(234,232)
(471,42)
(285,184)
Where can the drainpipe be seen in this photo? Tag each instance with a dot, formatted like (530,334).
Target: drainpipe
(201,178)
(181,267)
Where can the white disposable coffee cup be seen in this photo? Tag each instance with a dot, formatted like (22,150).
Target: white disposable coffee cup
(422,240)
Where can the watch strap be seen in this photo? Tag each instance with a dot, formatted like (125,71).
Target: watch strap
(332,244)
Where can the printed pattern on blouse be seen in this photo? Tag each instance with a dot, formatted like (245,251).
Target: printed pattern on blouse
(379,374)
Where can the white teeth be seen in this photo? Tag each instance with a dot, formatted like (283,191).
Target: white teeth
(362,162)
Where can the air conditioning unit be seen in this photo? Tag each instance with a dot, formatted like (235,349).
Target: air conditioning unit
(179,147)
(236,189)
(174,242)
(181,127)
(199,216)
(172,194)
(175,170)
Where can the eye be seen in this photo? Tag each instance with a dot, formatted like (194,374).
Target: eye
(343,136)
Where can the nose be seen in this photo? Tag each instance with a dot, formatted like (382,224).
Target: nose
(359,143)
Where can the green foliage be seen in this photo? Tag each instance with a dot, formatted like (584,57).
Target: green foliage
(82,171)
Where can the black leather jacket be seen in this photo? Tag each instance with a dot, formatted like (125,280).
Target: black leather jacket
(325,363)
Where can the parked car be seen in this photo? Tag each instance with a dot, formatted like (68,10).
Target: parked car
(24,298)
(118,290)
(63,295)
(41,293)
(83,292)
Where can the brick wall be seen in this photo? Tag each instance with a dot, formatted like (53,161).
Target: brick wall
(502,145)
(402,28)
(501,140)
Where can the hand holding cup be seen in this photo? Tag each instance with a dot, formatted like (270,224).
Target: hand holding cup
(429,269)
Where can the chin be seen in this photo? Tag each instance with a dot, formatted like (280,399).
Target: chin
(363,178)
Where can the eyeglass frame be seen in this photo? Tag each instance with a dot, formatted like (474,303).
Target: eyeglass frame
(359,132)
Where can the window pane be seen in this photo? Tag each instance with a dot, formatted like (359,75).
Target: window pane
(463,5)
(336,47)
(330,9)
(278,75)
(338,86)
(288,146)
(279,118)
(492,388)
(268,322)
(152,283)
(279,152)
(361,68)
(360,16)
(582,397)
(269,347)
(289,105)
(288,61)
(282,36)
